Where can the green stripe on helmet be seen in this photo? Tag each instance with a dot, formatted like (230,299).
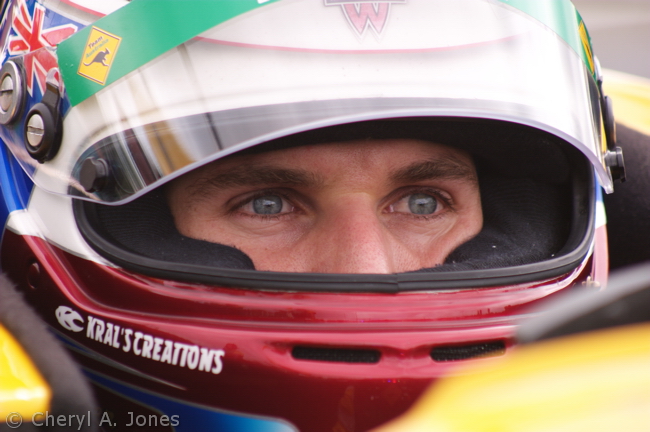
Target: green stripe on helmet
(562,17)
(145,29)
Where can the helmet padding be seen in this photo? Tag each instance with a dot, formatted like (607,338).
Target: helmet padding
(524,178)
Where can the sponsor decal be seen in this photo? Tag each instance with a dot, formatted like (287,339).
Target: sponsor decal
(139,43)
(98,55)
(69,318)
(142,344)
(362,15)
(32,40)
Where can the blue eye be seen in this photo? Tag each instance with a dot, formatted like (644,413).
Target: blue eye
(268,204)
(422,204)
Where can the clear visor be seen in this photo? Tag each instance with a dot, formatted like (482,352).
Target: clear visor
(304,65)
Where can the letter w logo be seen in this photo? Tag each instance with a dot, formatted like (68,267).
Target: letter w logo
(364,15)
(361,15)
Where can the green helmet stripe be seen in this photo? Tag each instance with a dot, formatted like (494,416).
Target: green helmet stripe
(143,29)
(562,17)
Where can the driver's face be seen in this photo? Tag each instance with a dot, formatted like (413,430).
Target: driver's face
(376,206)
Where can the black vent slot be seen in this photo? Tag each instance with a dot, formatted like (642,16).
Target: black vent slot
(340,355)
(464,352)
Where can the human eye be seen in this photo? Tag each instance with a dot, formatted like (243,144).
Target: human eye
(420,204)
(264,205)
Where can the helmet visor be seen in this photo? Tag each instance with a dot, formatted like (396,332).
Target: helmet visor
(251,80)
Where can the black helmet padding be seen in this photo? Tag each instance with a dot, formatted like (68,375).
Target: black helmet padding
(524,177)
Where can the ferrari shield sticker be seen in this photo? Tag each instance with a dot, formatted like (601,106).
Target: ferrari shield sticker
(98,55)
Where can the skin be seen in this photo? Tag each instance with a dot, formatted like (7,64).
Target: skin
(375,206)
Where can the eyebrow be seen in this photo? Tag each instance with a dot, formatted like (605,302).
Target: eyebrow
(447,168)
(255,176)
(245,176)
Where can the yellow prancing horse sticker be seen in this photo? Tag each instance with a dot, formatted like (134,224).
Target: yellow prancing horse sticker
(98,55)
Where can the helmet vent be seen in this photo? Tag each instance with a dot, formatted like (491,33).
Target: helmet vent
(338,355)
(464,352)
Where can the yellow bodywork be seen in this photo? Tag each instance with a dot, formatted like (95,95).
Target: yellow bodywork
(631,97)
(596,382)
(22,388)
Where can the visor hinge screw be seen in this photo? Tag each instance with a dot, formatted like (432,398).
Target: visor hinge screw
(12,92)
(614,160)
(35,130)
(43,127)
(6,92)
(93,174)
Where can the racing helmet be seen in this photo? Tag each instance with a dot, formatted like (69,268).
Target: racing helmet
(103,104)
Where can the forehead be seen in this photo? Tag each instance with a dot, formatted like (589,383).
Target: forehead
(389,154)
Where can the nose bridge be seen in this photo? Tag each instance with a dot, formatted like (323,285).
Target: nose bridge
(354,239)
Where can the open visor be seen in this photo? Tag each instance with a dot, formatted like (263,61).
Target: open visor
(262,76)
